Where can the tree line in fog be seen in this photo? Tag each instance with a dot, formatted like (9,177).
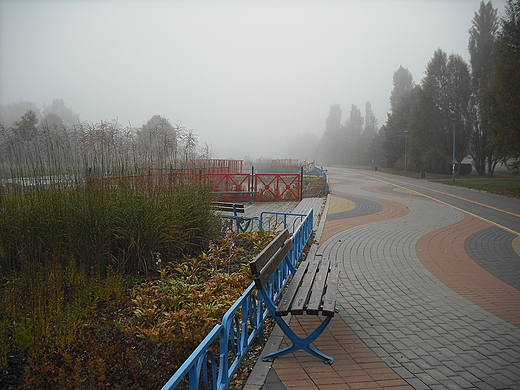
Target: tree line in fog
(472,108)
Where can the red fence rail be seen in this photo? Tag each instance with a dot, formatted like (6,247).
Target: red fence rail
(230,187)
(277,187)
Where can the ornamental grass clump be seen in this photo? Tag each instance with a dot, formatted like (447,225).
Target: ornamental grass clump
(66,250)
(102,227)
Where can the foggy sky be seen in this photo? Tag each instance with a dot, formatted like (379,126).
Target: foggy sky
(245,76)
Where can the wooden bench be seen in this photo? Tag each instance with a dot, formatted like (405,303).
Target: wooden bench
(248,195)
(235,208)
(311,290)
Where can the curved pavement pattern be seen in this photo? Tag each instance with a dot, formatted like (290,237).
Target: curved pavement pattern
(429,295)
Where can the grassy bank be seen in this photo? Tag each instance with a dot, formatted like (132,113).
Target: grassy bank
(498,186)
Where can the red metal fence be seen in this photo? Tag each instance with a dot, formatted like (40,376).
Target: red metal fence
(235,187)
(230,187)
(277,186)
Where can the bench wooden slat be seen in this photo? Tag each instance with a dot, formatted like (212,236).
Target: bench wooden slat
(329,299)
(227,204)
(263,257)
(302,294)
(288,297)
(318,286)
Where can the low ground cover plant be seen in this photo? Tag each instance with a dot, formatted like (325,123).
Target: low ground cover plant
(111,287)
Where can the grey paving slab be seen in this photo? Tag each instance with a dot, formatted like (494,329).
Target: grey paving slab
(381,257)
(492,249)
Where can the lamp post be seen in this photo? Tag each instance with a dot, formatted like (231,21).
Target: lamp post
(349,154)
(373,139)
(454,123)
(405,150)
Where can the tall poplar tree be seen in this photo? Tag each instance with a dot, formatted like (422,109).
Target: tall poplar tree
(397,123)
(403,84)
(353,132)
(481,48)
(331,144)
(402,100)
(502,99)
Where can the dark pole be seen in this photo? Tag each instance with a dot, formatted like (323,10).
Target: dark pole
(454,152)
(252,196)
(373,139)
(405,150)
(301,183)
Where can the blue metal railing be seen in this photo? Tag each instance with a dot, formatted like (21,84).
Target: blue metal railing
(268,220)
(271,220)
(322,190)
(241,324)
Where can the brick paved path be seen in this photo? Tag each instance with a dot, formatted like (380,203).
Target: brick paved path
(429,294)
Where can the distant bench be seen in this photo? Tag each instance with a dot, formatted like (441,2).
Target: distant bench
(239,195)
(235,208)
(312,290)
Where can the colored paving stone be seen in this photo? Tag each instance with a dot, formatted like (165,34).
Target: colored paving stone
(492,243)
(344,206)
(429,295)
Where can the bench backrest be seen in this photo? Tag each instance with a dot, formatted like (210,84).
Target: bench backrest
(266,263)
(230,207)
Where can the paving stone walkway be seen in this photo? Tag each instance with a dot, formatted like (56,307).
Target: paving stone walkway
(429,295)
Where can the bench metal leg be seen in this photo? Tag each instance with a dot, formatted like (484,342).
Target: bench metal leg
(240,228)
(298,342)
